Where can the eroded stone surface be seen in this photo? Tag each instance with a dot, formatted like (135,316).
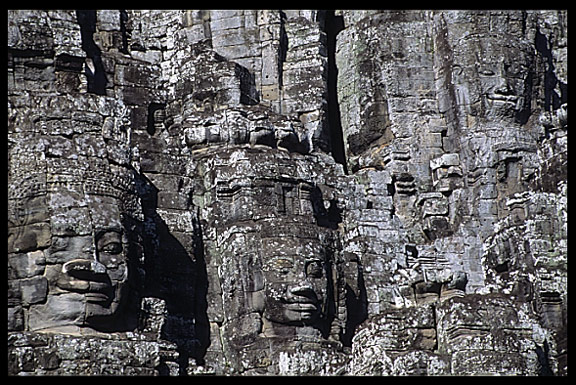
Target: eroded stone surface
(296,192)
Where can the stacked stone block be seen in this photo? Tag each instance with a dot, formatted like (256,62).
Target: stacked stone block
(212,131)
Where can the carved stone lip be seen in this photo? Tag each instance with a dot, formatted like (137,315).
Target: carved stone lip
(86,277)
(99,292)
(93,291)
(513,99)
(303,306)
(97,297)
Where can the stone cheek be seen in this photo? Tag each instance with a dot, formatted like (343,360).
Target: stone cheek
(29,238)
(34,290)
(64,309)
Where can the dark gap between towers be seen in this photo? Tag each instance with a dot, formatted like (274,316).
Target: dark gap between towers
(332,26)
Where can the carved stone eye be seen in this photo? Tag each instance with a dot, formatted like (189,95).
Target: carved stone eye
(281,265)
(486,71)
(314,269)
(112,248)
(110,255)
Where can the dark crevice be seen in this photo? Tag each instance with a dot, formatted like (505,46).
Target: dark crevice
(412,251)
(66,62)
(171,273)
(445,57)
(282,48)
(328,315)
(151,123)
(201,321)
(391,189)
(551,98)
(94,69)
(524,113)
(332,26)
(124,31)
(356,307)
(502,267)
(325,217)
(248,91)
(543,353)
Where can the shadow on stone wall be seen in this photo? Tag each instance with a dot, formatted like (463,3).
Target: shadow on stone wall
(176,274)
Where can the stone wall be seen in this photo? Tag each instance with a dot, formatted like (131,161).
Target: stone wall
(299,192)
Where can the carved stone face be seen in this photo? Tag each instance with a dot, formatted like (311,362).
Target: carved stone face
(94,280)
(86,269)
(275,258)
(68,240)
(492,79)
(446,172)
(295,283)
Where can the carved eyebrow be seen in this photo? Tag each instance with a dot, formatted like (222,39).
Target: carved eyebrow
(99,233)
(281,257)
(315,259)
(228,190)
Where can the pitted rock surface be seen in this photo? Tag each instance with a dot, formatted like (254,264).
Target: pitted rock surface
(296,192)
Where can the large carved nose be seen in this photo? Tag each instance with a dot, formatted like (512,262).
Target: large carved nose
(83,275)
(81,267)
(503,88)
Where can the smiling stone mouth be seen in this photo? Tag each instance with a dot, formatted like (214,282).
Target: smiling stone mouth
(93,291)
(302,306)
(97,297)
(98,292)
(503,98)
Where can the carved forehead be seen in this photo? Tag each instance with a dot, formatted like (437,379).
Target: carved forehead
(262,161)
(80,199)
(274,237)
(476,49)
(304,247)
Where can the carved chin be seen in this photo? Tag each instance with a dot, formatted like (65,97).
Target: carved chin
(72,309)
(103,309)
(99,307)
